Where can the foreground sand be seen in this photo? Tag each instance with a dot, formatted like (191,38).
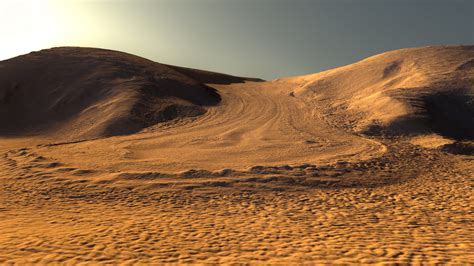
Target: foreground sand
(428,219)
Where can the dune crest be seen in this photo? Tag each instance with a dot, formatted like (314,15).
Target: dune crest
(86,93)
(404,92)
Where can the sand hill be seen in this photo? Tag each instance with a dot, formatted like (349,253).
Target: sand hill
(404,92)
(108,158)
(85,92)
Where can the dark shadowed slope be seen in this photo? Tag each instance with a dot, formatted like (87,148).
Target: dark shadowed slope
(86,92)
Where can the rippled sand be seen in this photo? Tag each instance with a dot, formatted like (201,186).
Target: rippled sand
(297,170)
(51,218)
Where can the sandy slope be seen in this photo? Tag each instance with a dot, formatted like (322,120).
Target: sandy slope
(276,172)
(408,91)
(76,93)
(256,124)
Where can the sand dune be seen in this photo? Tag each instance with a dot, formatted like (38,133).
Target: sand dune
(68,88)
(111,158)
(403,92)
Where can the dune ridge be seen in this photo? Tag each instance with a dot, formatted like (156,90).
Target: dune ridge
(401,92)
(86,93)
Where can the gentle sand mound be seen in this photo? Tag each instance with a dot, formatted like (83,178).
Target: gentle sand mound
(85,92)
(404,92)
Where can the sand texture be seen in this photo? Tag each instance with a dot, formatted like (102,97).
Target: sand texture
(108,158)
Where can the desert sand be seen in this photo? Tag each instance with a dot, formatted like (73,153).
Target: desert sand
(111,158)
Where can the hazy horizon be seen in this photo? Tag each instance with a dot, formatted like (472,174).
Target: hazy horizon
(265,39)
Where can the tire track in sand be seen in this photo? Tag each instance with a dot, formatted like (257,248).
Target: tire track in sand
(256,124)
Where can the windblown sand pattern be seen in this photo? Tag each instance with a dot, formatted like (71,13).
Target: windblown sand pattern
(118,159)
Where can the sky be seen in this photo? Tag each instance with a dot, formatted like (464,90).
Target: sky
(256,38)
